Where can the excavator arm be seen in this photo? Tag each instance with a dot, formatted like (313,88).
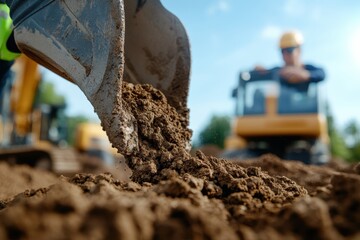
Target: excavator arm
(23,93)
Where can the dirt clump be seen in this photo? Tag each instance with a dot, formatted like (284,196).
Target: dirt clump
(174,195)
(17,179)
(313,178)
(163,156)
(101,207)
(331,211)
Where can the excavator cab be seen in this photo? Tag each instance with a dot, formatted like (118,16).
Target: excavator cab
(257,89)
(91,140)
(275,117)
(53,127)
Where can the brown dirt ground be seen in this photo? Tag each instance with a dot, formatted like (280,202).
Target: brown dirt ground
(174,195)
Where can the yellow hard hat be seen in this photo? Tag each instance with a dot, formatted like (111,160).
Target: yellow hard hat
(291,39)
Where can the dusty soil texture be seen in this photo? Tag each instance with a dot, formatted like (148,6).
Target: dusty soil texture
(17,179)
(174,195)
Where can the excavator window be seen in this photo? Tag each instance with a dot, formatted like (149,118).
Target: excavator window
(255,98)
(257,91)
(293,101)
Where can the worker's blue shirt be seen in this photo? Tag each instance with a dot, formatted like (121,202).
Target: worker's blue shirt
(316,75)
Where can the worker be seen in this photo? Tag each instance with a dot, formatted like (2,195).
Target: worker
(8,48)
(295,74)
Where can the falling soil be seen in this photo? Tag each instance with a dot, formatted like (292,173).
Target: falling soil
(174,195)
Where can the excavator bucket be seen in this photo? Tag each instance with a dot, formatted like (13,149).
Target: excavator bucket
(85,42)
(82,41)
(157,51)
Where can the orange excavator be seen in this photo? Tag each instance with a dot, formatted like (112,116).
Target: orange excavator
(271,118)
(36,134)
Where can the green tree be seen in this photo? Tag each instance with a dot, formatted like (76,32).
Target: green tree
(355,153)
(216,131)
(352,135)
(47,94)
(338,146)
(72,123)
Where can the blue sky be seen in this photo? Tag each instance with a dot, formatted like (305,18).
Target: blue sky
(228,36)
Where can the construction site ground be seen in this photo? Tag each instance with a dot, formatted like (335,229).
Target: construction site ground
(173,194)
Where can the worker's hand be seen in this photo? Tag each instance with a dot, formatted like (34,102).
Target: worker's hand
(260,69)
(294,74)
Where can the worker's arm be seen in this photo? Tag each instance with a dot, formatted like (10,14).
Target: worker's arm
(315,74)
(5,58)
(308,73)
(8,48)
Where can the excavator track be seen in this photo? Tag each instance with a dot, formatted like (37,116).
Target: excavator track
(62,161)
(65,161)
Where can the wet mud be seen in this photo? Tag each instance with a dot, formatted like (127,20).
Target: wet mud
(173,194)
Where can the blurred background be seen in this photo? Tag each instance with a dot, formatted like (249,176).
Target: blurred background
(229,36)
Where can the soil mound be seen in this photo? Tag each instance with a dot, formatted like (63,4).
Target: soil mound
(17,179)
(174,195)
